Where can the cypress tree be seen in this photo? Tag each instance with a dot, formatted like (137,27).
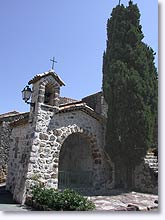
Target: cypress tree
(130,90)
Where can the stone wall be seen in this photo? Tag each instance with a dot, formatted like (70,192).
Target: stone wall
(35,147)
(146,175)
(65,100)
(18,154)
(97,103)
(5,132)
(51,133)
(35,157)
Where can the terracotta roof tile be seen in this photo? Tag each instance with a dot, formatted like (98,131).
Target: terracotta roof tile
(22,120)
(82,106)
(8,114)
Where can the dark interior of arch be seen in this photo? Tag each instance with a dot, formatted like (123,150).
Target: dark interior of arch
(49,95)
(75,163)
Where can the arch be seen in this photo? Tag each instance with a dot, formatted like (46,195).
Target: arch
(49,94)
(64,132)
(49,91)
(93,169)
(75,168)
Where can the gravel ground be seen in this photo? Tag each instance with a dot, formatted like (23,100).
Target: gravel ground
(131,201)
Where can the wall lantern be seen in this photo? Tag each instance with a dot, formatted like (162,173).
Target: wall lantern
(26,95)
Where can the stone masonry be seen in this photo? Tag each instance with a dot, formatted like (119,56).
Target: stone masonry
(59,143)
(146,174)
(5,132)
(36,143)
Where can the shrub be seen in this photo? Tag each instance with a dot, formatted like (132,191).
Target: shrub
(51,199)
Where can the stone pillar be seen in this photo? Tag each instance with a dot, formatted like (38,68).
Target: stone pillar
(56,96)
(41,93)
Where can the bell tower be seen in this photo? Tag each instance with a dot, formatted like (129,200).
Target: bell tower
(46,91)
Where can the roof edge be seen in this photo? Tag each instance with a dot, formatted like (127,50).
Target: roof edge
(44,74)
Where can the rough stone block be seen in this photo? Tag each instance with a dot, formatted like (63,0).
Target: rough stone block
(43,136)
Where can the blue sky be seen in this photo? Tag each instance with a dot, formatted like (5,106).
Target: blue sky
(33,31)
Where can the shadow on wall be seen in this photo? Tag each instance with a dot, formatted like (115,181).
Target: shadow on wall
(5,196)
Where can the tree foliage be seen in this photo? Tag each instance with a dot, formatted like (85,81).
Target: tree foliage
(129,87)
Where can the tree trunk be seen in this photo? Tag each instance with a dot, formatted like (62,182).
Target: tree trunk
(120,175)
(129,176)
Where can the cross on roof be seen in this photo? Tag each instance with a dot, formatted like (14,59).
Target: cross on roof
(53,61)
(119,2)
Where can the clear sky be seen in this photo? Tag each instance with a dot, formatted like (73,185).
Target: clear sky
(74,31)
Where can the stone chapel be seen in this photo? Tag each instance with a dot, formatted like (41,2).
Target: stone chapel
(60,144)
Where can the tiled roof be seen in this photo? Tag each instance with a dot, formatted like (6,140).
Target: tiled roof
(50,72)
(74,106)
(82,106)
(70,104)
(22,120)
(9,114)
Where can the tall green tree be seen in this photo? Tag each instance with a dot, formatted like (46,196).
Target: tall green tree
(130,89)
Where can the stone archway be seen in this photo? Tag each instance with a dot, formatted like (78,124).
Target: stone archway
(80,159)
(75,163)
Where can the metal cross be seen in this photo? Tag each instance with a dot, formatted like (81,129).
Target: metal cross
(119,2)
(53,61)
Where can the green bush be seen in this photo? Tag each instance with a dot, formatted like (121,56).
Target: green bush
(67,200)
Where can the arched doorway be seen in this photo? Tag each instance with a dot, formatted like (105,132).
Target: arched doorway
(75,169)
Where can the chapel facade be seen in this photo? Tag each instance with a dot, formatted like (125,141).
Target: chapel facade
(60,144)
